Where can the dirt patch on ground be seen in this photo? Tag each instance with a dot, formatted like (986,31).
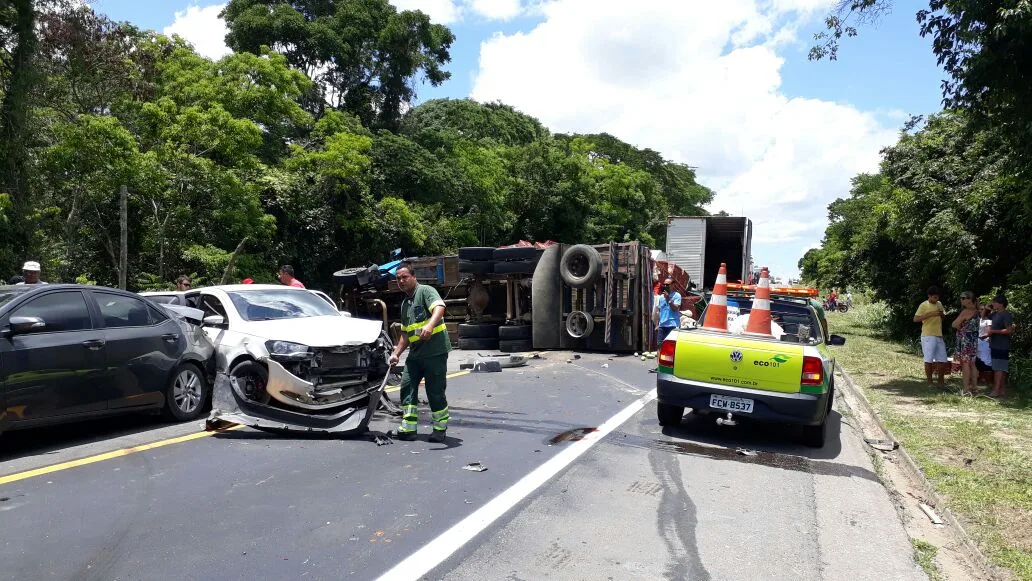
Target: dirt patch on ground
(1015,527)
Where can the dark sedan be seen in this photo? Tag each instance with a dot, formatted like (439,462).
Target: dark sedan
(72,352)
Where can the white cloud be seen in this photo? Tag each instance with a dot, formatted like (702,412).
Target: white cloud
(439,11)
(203,28)
(699,82)
(496,9)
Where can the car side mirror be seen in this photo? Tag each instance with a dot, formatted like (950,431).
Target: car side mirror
(837,340)
(214,321)
(27,324)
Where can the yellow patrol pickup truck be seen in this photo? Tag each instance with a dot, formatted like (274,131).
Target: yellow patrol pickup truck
(786,378)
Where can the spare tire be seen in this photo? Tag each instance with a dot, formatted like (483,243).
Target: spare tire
(479,267)
(477,331)
(517,346)
(517,253)
(580,266)
(478,344)
(476,253)
(514,332)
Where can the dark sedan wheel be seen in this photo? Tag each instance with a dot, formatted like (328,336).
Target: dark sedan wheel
(186,394)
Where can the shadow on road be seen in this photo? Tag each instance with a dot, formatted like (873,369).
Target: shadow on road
(52,439)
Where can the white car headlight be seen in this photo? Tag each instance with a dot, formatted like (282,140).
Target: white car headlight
(286,349)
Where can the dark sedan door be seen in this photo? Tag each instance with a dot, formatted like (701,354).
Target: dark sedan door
(54,371)
(142,347)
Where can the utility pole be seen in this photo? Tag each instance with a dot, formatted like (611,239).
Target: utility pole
(123,223)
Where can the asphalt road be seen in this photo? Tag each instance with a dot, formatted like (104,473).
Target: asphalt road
(639,503)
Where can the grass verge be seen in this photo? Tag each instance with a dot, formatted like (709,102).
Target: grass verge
(977,452)
(924,553)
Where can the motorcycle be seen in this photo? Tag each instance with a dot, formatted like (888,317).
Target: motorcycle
(839,306)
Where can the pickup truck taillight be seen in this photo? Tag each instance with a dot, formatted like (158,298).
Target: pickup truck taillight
(813,371)
(666,353)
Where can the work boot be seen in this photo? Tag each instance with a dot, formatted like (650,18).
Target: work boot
(438,437)
(403,436)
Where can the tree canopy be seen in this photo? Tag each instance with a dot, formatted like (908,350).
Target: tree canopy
(305,146)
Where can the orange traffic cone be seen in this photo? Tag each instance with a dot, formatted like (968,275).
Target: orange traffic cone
(716,312)
(759,316)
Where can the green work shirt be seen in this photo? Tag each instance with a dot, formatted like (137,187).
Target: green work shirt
(416,311)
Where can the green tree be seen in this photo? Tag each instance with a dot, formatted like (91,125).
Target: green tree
(364,55)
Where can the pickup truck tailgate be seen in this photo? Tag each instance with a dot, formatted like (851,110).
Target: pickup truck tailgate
(738,361)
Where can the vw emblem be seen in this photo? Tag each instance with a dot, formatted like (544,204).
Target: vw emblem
(736,356)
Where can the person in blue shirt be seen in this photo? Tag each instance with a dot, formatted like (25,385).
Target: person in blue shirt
(669,310)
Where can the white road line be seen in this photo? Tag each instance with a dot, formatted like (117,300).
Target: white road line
(438,550)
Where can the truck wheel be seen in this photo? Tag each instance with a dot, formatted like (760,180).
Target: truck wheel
(514,267)
(476,267)
(480,344)
(477,331)
(579,324)
(514,332)
(669,415)
(581,266)
(515,346)
(186,394)
(476,253)
(517,253)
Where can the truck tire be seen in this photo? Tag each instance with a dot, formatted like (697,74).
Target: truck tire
(477,331)
(579,324)
(545,301)
(478,344)
(581,266)
(517,253)
(476,253)
(516,346)
(669,415)
(514,332)
(514,267)
(476,267)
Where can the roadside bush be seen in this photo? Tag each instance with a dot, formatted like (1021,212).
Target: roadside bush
(869,315)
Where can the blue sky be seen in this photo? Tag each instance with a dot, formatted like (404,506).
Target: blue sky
(777,136)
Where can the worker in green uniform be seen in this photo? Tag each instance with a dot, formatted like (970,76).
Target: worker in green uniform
(427,339)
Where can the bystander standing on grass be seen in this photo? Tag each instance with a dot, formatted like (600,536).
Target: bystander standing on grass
(966,325)
(999,344)
(930,314)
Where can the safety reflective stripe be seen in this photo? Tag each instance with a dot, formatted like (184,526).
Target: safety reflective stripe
(761,304)
(409,419)
(440,419)
(414,336)
(719,300)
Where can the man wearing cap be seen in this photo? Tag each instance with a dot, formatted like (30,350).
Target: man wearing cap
(30,270)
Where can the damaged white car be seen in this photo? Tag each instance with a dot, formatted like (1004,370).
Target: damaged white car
(288,360)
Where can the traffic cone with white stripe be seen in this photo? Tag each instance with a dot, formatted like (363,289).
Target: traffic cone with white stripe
(716,312)
(759,316)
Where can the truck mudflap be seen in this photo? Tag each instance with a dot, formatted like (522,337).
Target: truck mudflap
(231,406)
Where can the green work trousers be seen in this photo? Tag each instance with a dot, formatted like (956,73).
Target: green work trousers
(435,371)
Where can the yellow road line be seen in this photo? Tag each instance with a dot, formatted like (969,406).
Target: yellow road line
(107,456)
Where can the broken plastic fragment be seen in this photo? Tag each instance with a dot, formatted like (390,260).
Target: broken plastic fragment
(475,467)
(746,452)
(883,445)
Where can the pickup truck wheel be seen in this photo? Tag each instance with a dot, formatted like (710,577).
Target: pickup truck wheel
(186,394)
(669,415)
(813,436)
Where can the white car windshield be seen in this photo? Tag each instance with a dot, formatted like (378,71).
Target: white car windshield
(272,304)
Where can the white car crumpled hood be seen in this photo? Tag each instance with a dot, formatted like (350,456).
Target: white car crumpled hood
(327,331)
